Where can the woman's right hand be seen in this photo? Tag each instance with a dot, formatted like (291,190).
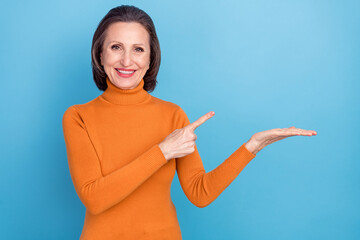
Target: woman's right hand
(181,142)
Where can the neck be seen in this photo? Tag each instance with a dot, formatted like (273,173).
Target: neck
(119,96)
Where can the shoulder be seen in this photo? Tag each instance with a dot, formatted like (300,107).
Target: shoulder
(77,109)
(166,105)
(74,112)
(71,116)
(177,112)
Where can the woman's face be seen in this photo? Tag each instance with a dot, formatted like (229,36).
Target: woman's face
(126,54)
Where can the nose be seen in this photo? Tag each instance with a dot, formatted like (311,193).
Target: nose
(125,59)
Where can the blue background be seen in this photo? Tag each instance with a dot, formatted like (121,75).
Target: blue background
(258,64)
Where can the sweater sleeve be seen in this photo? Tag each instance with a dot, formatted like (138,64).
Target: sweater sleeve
(99,192)
(202,188)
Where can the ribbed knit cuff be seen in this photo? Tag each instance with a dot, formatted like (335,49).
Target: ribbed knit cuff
(155,156)
(160,154)
(243,154)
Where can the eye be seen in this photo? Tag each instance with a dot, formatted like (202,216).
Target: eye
(139,49)
(115,47)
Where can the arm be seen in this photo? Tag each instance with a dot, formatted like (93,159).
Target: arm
(202,188)
(96,191)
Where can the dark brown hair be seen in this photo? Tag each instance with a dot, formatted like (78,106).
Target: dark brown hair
(125,13)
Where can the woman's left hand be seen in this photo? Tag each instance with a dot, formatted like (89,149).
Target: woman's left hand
(261,139)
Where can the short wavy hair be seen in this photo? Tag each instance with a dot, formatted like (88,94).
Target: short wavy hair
(125,13)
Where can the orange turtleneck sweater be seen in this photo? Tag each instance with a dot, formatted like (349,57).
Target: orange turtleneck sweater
(121,175)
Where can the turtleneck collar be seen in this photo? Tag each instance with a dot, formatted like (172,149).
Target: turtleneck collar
(119,96)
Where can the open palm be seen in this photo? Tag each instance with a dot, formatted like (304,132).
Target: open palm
(261,139)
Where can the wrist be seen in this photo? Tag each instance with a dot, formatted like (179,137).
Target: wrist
(162,148)
(252,146)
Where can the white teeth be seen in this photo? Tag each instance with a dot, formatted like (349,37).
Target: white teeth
(125,72)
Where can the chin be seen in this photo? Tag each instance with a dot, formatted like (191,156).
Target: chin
(126,83)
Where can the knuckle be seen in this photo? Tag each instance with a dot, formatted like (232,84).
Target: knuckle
(193,136)
(191,149)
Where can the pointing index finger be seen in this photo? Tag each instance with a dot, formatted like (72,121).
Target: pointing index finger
(201,120)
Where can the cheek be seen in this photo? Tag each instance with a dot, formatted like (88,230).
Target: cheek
(144,62)
(109,59)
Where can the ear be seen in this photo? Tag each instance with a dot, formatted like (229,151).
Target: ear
(101,63)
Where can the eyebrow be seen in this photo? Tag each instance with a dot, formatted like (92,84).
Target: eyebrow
(121,43)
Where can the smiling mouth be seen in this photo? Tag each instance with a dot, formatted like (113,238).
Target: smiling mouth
(127,71)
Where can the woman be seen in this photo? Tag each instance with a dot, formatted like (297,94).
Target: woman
(125,145)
